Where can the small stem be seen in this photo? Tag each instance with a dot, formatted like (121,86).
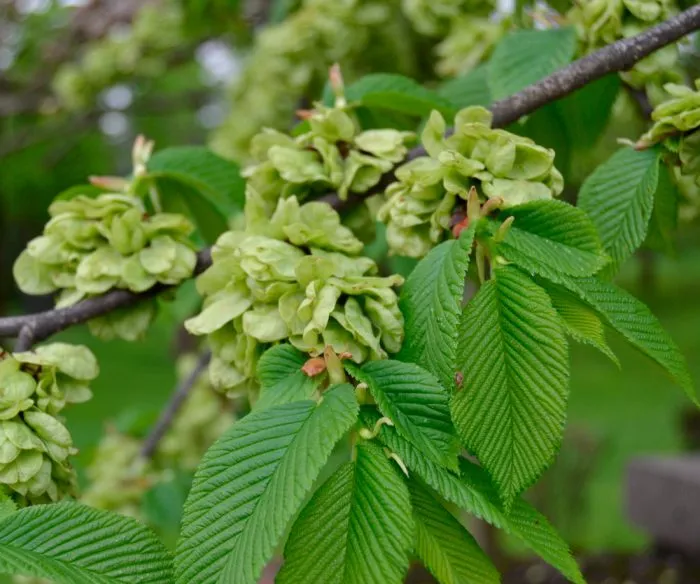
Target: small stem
(154,195)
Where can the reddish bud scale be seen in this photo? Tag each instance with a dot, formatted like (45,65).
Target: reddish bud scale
(314,366)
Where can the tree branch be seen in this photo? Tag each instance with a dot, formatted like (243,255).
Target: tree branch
(616,57)
(47,323)
(182,392)
(619,56)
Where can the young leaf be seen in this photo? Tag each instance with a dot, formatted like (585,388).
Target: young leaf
(513,354)
(416,403)
(431,302)
(444,546)
(551,237)
(634,321)
(281,379)
(524,57)
(474,492)
(580,321)
(195,172)
(356,529)
(69,543)
(619,197)
(252,482)
(399,94)
(469,89)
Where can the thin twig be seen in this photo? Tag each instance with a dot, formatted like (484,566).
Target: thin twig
(618,56)
(180,395)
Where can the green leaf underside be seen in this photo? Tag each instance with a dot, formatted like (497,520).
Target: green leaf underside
(524,57)
(474,492)
(252,482)
(634,321)
(664,216)
(216,179)
(586,112)
(580,321)
(73,544)
(397,93)
(619,198)
(551,237)
(431,302)
(416,403)
(356,529)
(444,545)
(281,379)
(469,89)
(514,357)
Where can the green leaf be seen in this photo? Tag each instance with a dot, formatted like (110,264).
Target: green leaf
(200,174)
(356,529)
(619,197)
(514,357)
(69,543)
(431,302)
(281,379)
(664,217)
(469,89)
(580,321)
(551,237)
(416,403)
(474,492)
(634,321)
(178,197)
(524,57)
(399,94)
(252,482)
(444,546)
(586,112)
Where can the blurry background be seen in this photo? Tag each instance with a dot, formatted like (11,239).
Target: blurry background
(80,80)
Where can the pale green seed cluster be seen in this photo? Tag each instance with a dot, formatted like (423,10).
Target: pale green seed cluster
(676,124)
(119,476)
(291,59)
(294,277)
(139,50)
(601,22)
(92,245)
(470,41)
(35,446)
(334,155)
(433,17)
(499,164)
(676,117)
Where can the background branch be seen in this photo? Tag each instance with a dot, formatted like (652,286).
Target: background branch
(616,57)
(182,392)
